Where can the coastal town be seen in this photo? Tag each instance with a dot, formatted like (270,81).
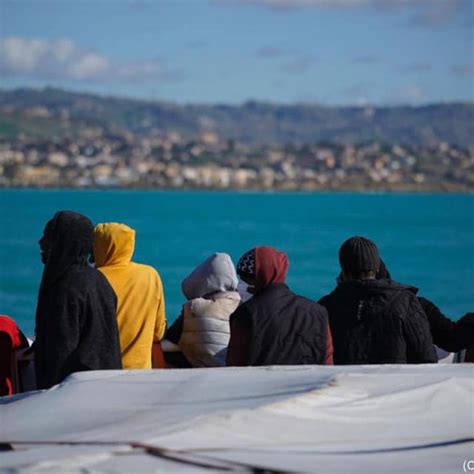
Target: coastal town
(99,158)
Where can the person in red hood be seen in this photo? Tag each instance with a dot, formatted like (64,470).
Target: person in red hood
(276,326)
(11,339)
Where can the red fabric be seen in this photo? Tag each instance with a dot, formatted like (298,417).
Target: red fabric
(10,340)
(8,326)
(157,356)
(271,266)
(329,349)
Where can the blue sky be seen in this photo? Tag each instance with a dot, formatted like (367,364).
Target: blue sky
(230,51)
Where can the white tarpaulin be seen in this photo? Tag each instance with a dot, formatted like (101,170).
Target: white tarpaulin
(301,419)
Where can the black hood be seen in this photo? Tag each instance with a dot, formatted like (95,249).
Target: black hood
(69,237)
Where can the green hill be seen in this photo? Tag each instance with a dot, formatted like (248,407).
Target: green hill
(54,112)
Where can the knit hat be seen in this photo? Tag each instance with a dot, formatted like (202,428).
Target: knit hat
(246,263)
(358,255)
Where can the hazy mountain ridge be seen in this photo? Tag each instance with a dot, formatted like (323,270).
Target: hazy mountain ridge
(56,112)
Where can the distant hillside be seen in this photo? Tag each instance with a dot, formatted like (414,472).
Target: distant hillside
(53,112)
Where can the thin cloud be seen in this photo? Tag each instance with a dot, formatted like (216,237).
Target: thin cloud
(427,13)
(298,65)
(198,44)
(365,60)
(418,67)
(64,59)
(438,13)
(463,70)
(138,5)
(269,52)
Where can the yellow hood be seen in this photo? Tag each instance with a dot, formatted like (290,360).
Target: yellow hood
(113,244)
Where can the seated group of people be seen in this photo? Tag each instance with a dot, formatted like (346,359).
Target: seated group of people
(110,314)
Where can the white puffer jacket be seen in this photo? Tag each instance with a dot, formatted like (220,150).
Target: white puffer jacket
(206,331)
(212,298)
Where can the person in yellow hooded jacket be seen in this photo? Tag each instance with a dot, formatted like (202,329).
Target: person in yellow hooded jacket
(141,305)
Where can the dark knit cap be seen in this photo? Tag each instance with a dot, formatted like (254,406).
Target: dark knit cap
(246,264)
(358,255)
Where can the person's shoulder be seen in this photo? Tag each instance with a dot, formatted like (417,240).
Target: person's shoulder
(274,290)
(404,293)
(404,302)
(326,300)
(75,282)
(92,274)
(265,298)
(145,269)
(78,276)
(395,287)
(315,307)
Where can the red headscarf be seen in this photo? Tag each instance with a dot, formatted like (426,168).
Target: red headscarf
(271,266)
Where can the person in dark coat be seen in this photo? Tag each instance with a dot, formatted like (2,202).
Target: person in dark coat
(76,327)
(452,336)
(276,326)
(375,321)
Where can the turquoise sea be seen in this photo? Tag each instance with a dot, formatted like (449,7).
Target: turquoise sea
(427,240)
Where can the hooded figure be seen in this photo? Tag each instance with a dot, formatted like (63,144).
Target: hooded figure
(76,326)
(375,321)
(141,304)
(276,326)
(211,291)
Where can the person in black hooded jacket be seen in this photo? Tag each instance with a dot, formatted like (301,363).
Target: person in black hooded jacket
(375,321)
(452,336)
(76,327)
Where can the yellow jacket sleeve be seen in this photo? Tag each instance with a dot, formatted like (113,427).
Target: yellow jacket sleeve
(160,322)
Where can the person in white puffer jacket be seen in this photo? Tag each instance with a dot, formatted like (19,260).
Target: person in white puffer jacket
(202,331)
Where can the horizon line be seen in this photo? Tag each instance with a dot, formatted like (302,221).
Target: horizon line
(151,100)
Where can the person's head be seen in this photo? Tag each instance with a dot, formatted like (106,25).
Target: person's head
(215,274)
(359,259)
(382,274)
(45,241)
(113,244)
(261,267)
(68,235)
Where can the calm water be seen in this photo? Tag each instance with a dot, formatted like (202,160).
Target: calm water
(426,240)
